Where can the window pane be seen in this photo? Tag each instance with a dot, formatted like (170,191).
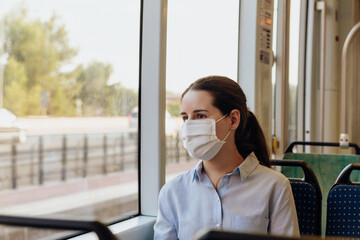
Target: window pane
(293,68)
(202,40)
(68,122)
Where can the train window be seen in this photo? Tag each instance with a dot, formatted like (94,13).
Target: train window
(294,37)
(202,40)
(68,125)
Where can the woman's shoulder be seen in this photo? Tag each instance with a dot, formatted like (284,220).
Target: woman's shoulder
(179,182)
(270,174)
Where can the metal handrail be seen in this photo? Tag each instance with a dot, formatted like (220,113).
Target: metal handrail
(322,7)
(321,144)
(99,228)
(349,38)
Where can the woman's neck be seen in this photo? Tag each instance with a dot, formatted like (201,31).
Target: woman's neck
(223,163)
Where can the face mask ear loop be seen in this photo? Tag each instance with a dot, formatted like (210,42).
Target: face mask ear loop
(221,118)
(226,137)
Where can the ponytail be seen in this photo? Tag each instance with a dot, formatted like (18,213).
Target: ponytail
(250,138)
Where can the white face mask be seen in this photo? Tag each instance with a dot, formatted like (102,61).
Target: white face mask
(199,138)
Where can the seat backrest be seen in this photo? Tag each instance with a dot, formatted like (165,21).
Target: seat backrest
(213,234)
(343,206)
(307,196)
(326,168)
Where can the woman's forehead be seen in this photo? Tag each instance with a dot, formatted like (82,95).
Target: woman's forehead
(197,99)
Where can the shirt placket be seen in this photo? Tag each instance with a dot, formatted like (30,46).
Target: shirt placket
(217,205)
(218,213)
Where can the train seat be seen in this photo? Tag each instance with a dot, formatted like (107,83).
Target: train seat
(326,168)
(343,205)
(307,196)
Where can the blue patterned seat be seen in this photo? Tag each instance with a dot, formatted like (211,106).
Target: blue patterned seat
(343,206)
(306,207)
(307,196)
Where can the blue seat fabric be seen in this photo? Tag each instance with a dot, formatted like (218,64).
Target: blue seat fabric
(305,202)
(343,211)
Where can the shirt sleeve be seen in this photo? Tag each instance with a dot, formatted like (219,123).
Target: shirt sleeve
(164,228)
(283,216)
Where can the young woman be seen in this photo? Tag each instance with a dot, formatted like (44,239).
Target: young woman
(232,187)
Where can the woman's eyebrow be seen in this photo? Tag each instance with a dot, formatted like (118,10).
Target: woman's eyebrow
(195,111)
(200,110)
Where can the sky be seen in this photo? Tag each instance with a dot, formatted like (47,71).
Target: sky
(201,36)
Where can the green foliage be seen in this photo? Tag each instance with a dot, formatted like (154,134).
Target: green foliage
(98,98)
(34,83)
(37,50)
(15,81)
(94,79)
(32,101)
(174,108)
(123,100)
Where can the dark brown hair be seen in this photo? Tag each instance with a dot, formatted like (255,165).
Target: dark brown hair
(228,95)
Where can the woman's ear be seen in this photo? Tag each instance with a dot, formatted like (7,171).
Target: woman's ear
(234,119)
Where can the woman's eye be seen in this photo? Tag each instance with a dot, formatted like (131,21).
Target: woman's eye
(201,116)
(184,118)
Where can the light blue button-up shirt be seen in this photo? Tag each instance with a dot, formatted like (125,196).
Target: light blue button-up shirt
(252,199)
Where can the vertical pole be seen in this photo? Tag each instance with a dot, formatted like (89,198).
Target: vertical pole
(85,156)
(344,141)
(32,165)
(122,153)
(322,7)
(105,155)
(64,153)
(77,164)
(41,158)
(282,77)
(13,164)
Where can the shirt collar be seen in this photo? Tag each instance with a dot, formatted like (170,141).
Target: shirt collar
(198,171)
(245,168)
(248,166)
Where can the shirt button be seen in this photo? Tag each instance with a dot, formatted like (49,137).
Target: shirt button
(218,225)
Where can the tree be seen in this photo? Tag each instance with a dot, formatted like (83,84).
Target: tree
(36,52)
(34,84)
(15,80)
(174,108)
(123,100)
(98,97)
(94,92)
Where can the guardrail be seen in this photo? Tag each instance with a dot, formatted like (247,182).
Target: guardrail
(59,157)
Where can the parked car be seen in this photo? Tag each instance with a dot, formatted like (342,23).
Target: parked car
(11,130)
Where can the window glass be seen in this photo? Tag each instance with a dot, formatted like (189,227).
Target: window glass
(202,40)
(294,38)
(68,117)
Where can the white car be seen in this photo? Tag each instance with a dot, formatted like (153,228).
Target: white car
(11,130)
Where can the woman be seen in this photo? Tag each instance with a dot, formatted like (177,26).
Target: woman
(232,187)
